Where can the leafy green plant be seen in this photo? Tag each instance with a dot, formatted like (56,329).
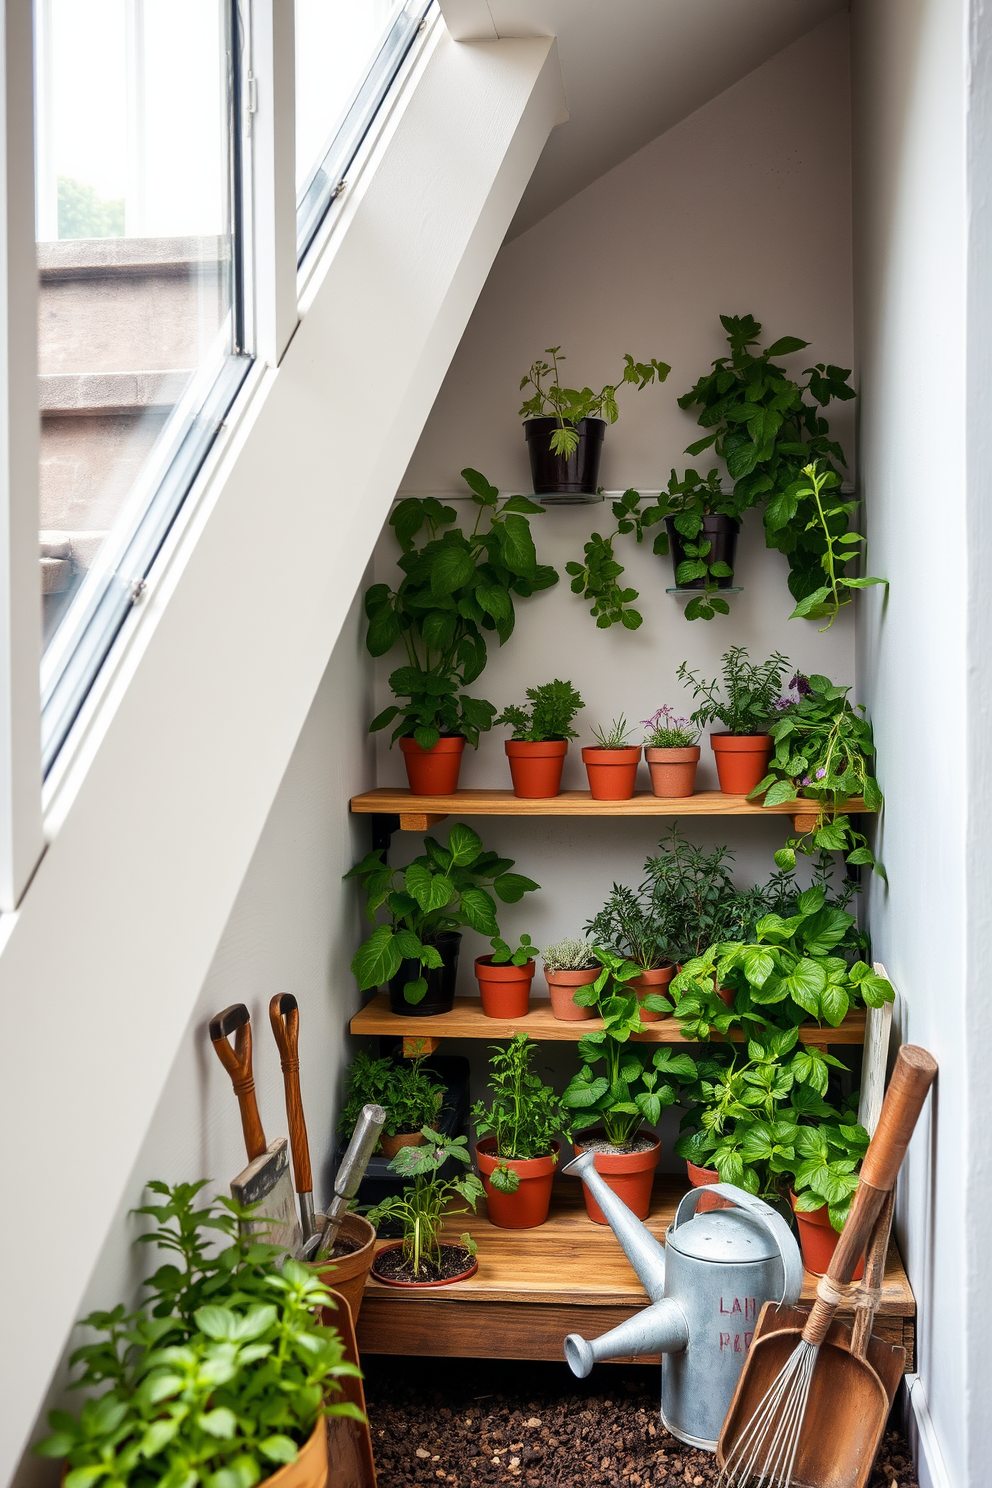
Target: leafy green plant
(665,731)
(507,955)
(598,578)
(628,1092)
(692,896)
(553,707)
(219,1379)
(750,691)
(569,955)
(615,735)
(790,966)
(632,926)
(570,405)
(443,889)
(457,590)
(422,1206)
(523,1113)
(822,489)
(410,1095)
(823,752)
(828,1162)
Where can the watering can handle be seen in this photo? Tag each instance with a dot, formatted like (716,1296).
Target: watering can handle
(792,1265)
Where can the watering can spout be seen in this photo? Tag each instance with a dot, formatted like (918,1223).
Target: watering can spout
(643,1251)
(658,1329)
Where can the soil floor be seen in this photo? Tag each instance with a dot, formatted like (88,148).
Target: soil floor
(476,1422)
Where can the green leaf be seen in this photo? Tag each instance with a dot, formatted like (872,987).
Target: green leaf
(451,568)
(463,844)
(222,1423)
(477,482)
(511,887)
(431,890)
(517,545)
(383,631)
(785,345)
(415,991)
(278,1448)
(377,960)
(480,911)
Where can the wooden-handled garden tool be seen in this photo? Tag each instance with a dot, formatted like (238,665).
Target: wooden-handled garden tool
(266,1180)
(808,1410)
(284,1015)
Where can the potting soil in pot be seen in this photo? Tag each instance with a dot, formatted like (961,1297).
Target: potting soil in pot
(477,1422)
(455,1261)
(343,1247)
(640,1143)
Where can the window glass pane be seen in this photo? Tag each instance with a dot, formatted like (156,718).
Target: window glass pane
(348,53)
(139,293)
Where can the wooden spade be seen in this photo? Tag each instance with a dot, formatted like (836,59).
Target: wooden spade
(266,1180)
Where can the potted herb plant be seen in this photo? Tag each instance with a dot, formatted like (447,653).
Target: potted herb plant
(823,752)
(632,926)
(750,691)
(625,1095)
(671,748)
(421,1258)
(457,590)
(611,764)
(539,742)
(504,978)
(427,903)
(564,426)
(828,1160)
(568,965)
(222,1375)
(518,1127)
(410,1095)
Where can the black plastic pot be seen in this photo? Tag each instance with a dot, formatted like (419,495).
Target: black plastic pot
(440,995)
(559,481)
(721,533)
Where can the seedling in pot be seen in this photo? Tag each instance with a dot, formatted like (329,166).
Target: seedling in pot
(506,955)
(615,735)
(523,1114)
(570,405)
(422,1206)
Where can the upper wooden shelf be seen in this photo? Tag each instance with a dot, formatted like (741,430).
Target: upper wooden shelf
(467,1020)
(418,813)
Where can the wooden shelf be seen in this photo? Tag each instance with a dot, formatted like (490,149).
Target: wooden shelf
(418,813)
(567,1276)
(467,1020)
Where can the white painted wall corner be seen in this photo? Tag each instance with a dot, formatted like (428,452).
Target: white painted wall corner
(922,1435)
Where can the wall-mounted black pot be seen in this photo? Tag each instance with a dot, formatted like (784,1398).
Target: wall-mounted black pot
(559,481)
(721,533)
(440,994)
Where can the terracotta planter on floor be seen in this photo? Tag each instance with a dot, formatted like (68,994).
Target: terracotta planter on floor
(433,772)
(818,1240)
(528,1207)
(505,989)
(673,771)
(535,769)
(741,760)
(701,1178)
(391,1145)
(654,979)
(347,1274)
(629,1174)
(562,985)
(612,772)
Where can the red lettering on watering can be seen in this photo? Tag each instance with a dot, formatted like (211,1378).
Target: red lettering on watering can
(745,1307)
(735,1343)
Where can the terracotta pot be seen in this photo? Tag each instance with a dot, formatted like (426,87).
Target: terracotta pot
(673,771)
(528,1207)
(424,1285)
(505,989)
(535,769)
(629,1174)
(612,772)
(654,979)
(701,1178)
(741,760)
(818,1240)
(562,985)
(310,1468)
(391,1145)
(433,772)
(348,1274)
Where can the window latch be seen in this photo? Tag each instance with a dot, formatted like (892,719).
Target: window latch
(251,94)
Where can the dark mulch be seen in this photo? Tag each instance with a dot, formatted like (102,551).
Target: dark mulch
(476,1422)
(342,1247)
(455,1261)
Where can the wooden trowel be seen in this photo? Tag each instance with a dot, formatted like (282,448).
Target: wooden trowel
(266,1180)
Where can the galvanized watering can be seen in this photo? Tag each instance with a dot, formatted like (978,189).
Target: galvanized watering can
(722,1267)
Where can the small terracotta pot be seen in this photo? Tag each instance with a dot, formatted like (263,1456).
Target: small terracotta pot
(528,1207)
(673,771)
(629,1174)
(423,1285)
(505,989)
(818,1240)
(701,1178)
(310,1468)
(433,772)
(391,1145)
(612,772)
(535,769)
(562,985)
(654,979)
(348,1274)
(741,760)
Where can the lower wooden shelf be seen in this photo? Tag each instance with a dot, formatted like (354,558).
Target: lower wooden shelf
(568,1276)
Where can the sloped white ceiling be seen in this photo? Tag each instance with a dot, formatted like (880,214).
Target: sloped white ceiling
(632,69)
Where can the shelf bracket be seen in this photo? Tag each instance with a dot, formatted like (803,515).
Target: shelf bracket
(419,821)
(384,824)
(417,1046)
(803,822)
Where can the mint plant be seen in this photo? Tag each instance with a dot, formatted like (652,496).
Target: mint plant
(828,1162)
(570,405)
(523,1113)
(507,955)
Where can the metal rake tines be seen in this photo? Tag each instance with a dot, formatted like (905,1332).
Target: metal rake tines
(765,1453)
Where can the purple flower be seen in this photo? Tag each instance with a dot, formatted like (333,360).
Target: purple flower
(820,773)
(805,780)
(800,684)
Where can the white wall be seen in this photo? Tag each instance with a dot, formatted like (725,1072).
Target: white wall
(911,215)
